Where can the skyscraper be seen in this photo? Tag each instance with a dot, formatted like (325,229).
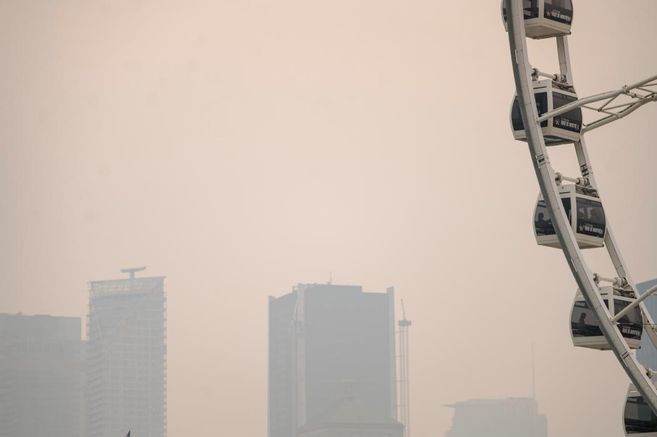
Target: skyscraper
(126,357)
(40,376)
(514,417)
(332,362)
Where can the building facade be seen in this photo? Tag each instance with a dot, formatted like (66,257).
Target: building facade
(514,417)
(126,358)
(647,355)
(331,346)
(40,376)
(351,417)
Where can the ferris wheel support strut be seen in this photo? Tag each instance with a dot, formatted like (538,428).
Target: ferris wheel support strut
(546,179)
(634,304)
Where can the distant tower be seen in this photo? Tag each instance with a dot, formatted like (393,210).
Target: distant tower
(404,374)
(126,357)
(332,363)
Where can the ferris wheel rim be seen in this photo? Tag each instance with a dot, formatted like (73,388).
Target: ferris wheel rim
(546,179)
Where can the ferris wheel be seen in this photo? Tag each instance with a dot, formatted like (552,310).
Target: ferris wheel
(608,312)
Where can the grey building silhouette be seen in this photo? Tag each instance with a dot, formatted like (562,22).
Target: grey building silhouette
(350,416)
(647,355)
(40,376)
(126,358)
(332,363)
(514,417)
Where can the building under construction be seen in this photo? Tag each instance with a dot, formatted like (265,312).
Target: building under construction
(126,357)
(333,363)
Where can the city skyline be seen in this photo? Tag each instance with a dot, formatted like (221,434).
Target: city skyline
(241,147)
(347,403)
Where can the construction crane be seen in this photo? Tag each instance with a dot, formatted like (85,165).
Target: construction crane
(404,407)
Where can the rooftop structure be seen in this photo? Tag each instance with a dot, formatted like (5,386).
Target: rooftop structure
(513,417)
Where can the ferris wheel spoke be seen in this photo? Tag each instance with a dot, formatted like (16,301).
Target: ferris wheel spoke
(635,97)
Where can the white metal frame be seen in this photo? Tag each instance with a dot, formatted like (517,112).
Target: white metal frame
(546,175)
(612,105)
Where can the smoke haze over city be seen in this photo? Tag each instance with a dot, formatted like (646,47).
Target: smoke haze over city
(239,148)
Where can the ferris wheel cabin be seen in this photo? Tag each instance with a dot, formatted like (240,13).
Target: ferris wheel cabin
(639,419)
(585,328)
(588,222)
(546,18)
(562,129)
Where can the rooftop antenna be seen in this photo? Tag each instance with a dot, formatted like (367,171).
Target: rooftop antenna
(330,281)
(133,270)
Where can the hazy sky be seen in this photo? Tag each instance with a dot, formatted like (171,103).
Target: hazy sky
(241,146)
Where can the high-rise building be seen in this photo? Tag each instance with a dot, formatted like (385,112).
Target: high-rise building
(332,363)
(647,355)
(515,417)
(126,357)
(40,376)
